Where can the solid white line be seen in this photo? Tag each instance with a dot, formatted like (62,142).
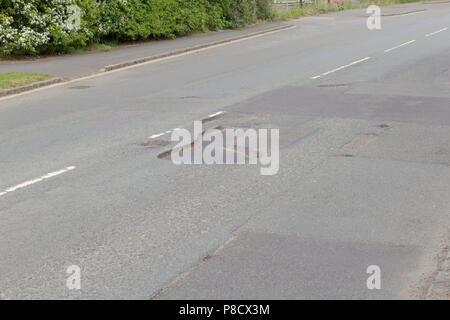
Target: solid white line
(400,45)
(97,75)
(436,32)
(316,77)
(30,182)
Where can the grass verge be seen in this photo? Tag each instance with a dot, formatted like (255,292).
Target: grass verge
(17,79)
(95,47)
(321,7)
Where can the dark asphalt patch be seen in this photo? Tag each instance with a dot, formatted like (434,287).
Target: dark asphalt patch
(216,117)
(360,141)
(311,102)
(273,266)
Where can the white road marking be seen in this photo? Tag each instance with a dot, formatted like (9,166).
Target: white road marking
(436,32)
(215,114)
(342,67)
(399,46)
(157,135)
(169,131)
(40,179)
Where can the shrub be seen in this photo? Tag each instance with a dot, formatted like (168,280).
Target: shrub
(264,10)
(33,26)
(52,26)
(238,13)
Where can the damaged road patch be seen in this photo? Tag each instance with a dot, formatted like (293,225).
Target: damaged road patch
(361,141)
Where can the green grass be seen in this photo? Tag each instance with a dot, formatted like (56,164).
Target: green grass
(284,14)
(17,79)
(95,47)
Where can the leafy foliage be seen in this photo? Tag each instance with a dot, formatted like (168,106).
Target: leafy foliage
(56,26)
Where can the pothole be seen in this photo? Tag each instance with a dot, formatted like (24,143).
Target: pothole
(360,141)
(167,154)
(152,144)
(235,149)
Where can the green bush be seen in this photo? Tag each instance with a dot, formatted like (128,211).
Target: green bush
(34,27)
(153,19)
(264,10)
(237,13)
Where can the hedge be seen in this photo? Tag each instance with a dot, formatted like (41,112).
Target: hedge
(32,27)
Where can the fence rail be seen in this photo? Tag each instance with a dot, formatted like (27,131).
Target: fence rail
(288,4)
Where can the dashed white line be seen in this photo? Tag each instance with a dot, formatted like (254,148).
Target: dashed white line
(340,68)
(157,135)
(40,179)
(436,32)
(160,134)
(216,114)
(399,46)
(169,131)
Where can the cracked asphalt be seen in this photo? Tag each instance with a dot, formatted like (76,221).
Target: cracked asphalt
(364,173)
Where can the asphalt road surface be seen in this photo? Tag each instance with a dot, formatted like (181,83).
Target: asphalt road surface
(364,177)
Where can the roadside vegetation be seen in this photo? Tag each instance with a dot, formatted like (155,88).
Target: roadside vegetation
(17,79)
(321,6)
(35,27)
(42,27)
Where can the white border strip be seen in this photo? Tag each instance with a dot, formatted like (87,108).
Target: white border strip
(31,182)
(169,131)
(216,114)
(436,32)
(340,68)
(156,135)
(399,46)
